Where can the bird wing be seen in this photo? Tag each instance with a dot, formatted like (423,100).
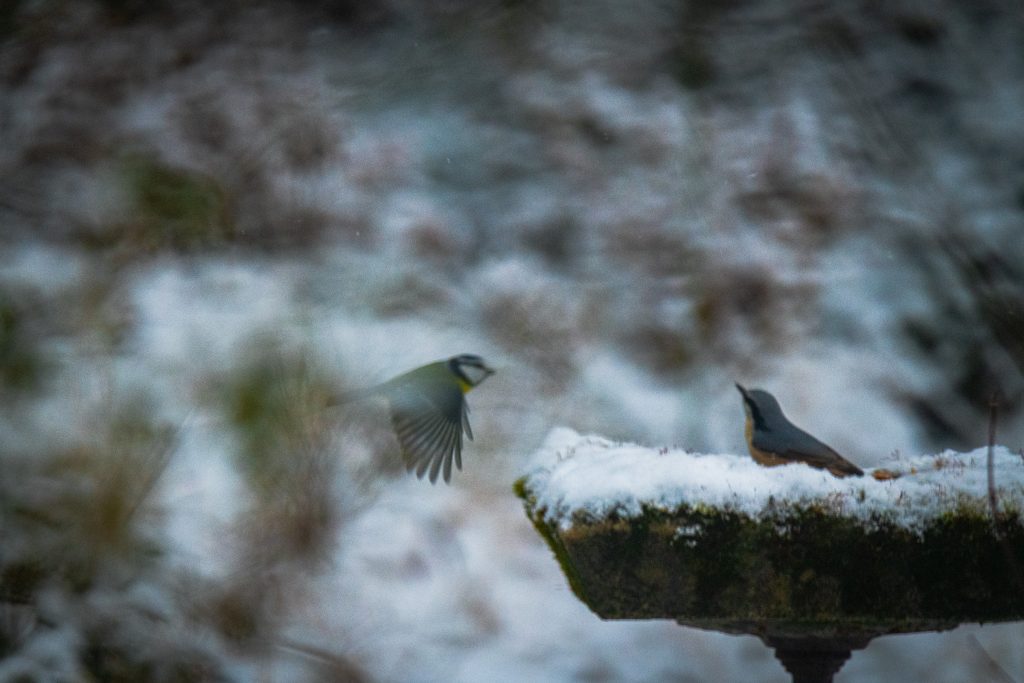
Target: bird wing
(429,420)
(798,445)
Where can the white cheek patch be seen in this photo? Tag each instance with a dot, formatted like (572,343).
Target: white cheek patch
(474,374)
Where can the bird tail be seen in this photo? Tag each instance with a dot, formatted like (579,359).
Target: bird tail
(845,468)
(340,398)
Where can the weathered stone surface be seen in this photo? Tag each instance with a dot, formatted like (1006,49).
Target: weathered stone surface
(795,571)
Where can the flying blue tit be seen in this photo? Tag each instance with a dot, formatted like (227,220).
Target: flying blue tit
(429,412)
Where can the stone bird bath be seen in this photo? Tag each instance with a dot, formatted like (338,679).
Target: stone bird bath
(814,565)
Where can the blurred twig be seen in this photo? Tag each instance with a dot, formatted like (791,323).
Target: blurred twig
(337,666)
(993,416)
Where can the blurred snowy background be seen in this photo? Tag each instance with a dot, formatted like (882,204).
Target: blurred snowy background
(211,214)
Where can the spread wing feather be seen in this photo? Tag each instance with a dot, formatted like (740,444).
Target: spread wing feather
(429,425)
(419,443)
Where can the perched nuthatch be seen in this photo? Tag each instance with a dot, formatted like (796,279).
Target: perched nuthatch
(774,440)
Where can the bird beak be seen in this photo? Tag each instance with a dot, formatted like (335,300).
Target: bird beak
(742,390)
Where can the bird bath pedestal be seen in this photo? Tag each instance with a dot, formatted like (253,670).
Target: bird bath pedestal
(815,566)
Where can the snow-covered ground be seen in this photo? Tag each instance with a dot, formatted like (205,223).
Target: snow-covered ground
(206,213)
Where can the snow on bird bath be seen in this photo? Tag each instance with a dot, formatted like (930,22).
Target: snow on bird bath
(574,475)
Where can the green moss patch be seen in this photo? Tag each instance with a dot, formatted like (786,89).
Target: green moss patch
(798,570)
